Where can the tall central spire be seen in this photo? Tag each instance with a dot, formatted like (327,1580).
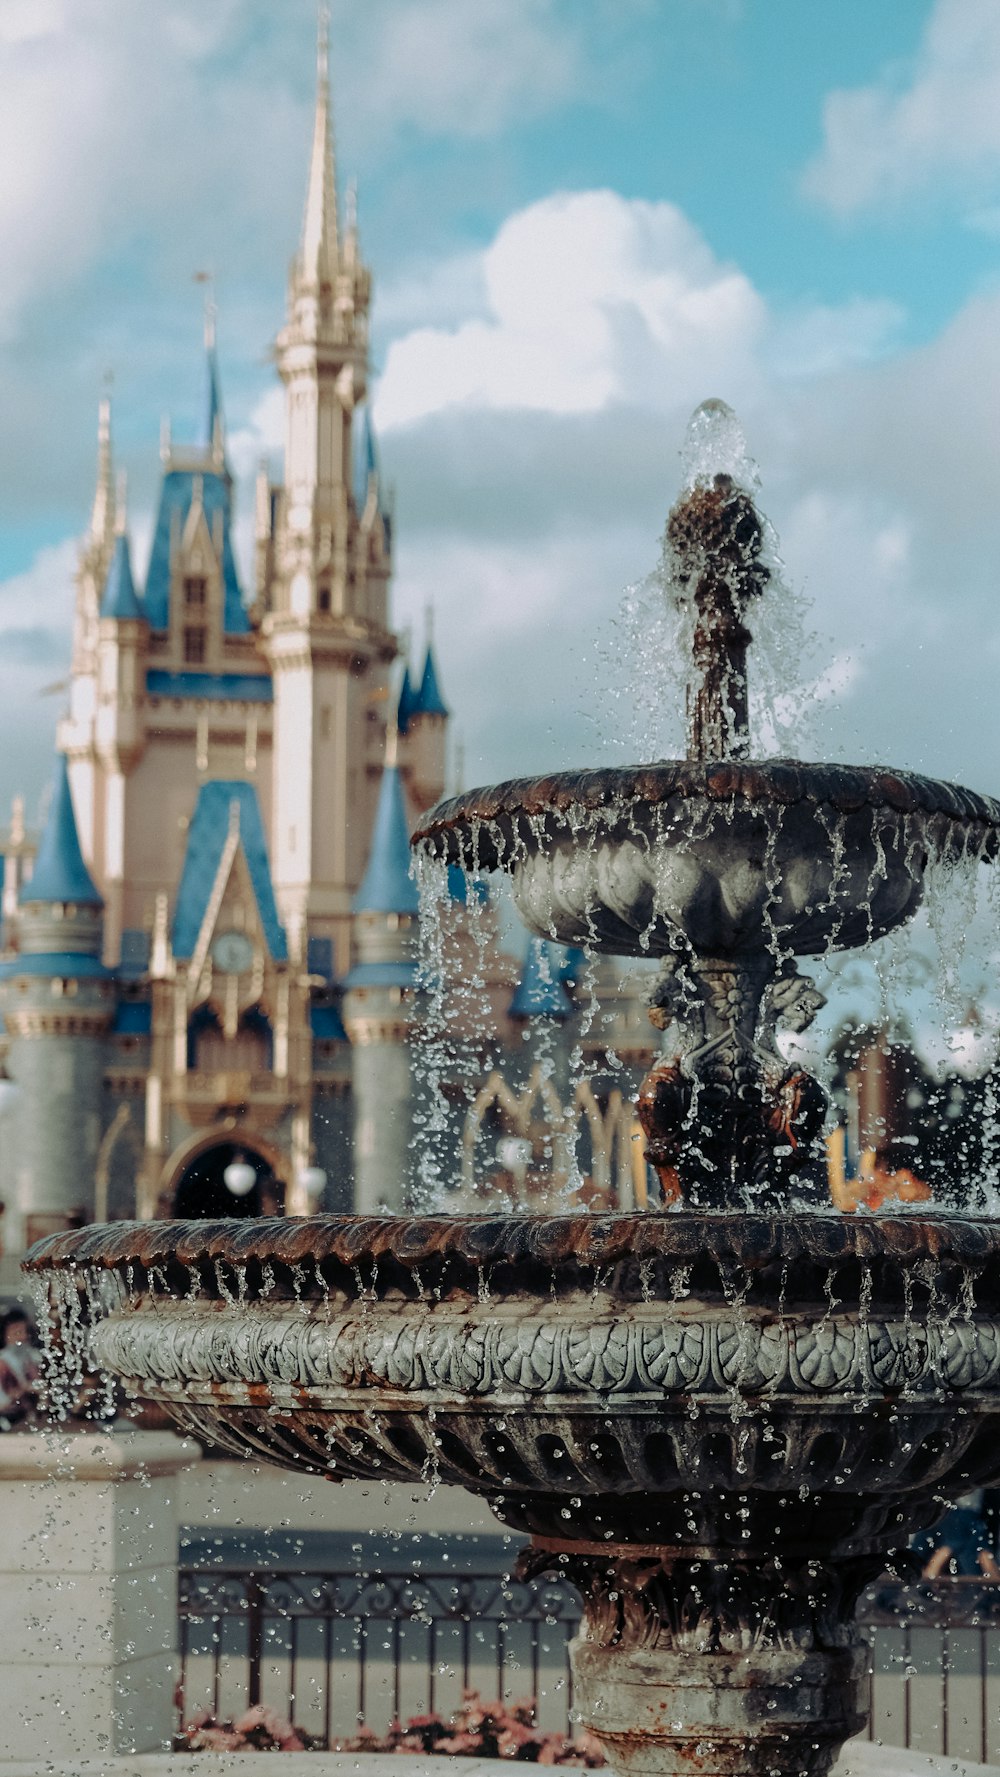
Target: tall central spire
(102,516)
(320,242)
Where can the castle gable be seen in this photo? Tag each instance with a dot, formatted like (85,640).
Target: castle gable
(178,527)
(226,823)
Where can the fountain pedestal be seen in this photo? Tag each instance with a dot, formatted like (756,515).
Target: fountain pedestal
(690,1664)
(88,1560)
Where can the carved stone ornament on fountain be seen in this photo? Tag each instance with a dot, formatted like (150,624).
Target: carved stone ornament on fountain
(723,1420)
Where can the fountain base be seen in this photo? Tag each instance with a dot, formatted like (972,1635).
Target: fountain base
(696,1659)
(759,1714)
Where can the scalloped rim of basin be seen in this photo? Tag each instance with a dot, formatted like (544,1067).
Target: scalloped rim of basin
(459,828)
(566,1242)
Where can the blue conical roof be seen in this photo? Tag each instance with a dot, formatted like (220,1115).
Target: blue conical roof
(120,599)
(407,702)
(429,700)
(388,886)
(365,459)
(60,873)
(539,993)
(367,466)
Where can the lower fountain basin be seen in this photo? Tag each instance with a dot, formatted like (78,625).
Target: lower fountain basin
(734,856)
(720,1427)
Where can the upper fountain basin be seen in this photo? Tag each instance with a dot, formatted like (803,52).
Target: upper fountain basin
(734,856)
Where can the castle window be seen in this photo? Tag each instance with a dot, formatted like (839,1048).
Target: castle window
(323,598)
(194,645)
(195,589)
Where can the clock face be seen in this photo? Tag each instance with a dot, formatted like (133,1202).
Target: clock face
(232,953)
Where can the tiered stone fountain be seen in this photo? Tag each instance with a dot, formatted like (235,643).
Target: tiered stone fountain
(721,1419)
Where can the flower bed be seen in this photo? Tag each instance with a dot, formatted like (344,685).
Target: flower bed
(476,1730)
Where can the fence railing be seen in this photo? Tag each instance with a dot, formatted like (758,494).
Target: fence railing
(335,1649)
(935,1667)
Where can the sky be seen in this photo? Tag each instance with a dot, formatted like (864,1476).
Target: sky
(584,218)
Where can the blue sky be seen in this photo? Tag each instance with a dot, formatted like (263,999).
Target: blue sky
(584,216)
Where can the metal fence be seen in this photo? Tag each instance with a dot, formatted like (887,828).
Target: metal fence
(336,1648)
(934,1684)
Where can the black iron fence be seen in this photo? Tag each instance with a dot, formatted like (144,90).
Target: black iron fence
(335,1648)
(935,1667)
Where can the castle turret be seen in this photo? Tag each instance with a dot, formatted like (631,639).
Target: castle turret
(426,734)
(57,1006)
(325,623)
(96,550)
(215,425)
(379,1007)
(120,726)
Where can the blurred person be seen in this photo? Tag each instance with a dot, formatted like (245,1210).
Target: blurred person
(19,1369)
(959,1547)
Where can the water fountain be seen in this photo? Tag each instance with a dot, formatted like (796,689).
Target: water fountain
(723,1418)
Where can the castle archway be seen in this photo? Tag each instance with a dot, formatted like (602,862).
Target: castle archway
(195,1187)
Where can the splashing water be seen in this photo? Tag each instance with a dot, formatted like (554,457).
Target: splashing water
(716,444)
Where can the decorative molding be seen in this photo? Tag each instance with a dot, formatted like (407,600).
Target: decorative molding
(589,1356)
(365,1031)
(23,1021)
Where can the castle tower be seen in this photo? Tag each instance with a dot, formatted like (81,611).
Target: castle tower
(94,562)
(119,732)
(170,688)
(57,1004)
(324,615)
(426,717)
(379,1010)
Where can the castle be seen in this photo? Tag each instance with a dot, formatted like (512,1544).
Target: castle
(209,961)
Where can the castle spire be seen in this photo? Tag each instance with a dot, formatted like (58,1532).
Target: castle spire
(320,240)
(102,516)
(215,424)
(120,599)
(388,886)
(429,701)
(60,874)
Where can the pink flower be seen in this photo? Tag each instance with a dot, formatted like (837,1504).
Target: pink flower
(271,1723)
(217,1740)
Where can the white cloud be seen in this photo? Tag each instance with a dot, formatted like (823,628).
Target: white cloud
(99,155)
(23,20)
(593,299)
(937,121)
(36,610)
(824,338)
(449,67)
